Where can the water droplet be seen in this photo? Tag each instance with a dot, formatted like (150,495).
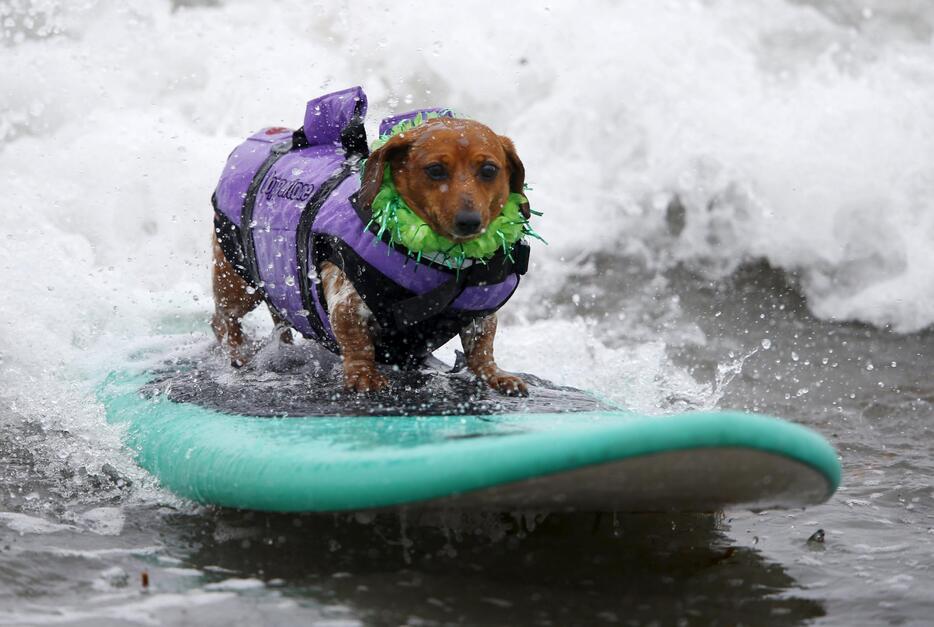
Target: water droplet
(290,280)
(766,344)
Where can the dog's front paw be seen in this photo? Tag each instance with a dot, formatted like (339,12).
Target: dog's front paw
(239,357)
(508,384)
(364,380)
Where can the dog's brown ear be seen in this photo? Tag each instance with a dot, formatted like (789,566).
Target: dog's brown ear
(516,171)
(376,165)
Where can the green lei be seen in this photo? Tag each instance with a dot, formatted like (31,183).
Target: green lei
(393,216)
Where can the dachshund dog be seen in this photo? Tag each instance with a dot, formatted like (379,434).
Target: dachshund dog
(456,175)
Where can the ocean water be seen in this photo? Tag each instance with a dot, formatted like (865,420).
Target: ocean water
(739,203)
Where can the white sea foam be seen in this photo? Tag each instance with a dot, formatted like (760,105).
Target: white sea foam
(798,135)
(639,376)
(133,608)
(24,524)
(105,521)
(235,584)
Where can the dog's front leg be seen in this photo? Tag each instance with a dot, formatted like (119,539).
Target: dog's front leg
(477,339)
(350,321)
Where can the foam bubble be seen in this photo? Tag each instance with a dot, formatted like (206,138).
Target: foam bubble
(25,524)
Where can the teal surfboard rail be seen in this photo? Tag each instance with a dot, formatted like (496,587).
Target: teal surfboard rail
(306,464)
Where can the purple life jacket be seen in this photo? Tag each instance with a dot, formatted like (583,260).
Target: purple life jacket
(286,203)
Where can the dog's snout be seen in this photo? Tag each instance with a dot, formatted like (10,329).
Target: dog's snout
(467,222)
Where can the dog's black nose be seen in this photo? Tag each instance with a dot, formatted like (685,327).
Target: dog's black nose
(467,223)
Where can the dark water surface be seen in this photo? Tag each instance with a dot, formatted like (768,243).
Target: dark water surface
(74,546)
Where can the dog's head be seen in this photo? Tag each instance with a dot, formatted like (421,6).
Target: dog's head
(455,174)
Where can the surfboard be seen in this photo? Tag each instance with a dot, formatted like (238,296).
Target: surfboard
(263,441)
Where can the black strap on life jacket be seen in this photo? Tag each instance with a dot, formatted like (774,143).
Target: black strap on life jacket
(405,345)
(306,282)
(249,204)
(395,306)
(424,306)
(229,239)
(353,136)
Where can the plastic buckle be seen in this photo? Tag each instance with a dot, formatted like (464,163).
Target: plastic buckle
(521,253)
(353,138)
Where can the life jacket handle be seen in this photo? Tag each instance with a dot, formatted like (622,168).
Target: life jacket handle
(353,135)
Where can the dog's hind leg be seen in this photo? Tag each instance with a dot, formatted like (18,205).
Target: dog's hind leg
(233,299)
(286,335)
(350,320)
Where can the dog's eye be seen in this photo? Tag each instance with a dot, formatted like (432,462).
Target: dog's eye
(436,172)
(488,171)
